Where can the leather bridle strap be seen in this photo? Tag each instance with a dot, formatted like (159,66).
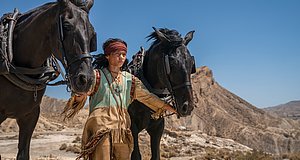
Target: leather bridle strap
(61,38)
(65,61)
(68,62)
(170,87)
(168,71)
(78,58)
(182,85)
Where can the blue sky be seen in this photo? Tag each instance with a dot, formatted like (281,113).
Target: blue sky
(252,46)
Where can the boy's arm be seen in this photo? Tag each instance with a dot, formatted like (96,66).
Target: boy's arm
(143,95)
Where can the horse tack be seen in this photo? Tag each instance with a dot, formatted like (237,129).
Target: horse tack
(7,24)
(36,54)
(135,68)
(136,64)
(19,75)
(194,65)
(19,78)
(67,62)
(159,71)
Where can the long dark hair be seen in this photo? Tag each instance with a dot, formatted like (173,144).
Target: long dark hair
(100,61)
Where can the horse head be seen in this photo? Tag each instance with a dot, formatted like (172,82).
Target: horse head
(174,65)
(63,29)
(77,39)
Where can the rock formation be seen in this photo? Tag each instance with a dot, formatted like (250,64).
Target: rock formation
(221,113)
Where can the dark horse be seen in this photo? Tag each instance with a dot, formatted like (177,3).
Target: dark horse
(166,71)
(61,29)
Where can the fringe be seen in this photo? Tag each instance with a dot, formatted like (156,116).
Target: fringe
(73,107)
(158,114)
(90,147)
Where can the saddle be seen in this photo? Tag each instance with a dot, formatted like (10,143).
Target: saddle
(135,66)
(26,78)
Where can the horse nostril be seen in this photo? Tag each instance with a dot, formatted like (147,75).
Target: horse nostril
(185,108)
(82,79)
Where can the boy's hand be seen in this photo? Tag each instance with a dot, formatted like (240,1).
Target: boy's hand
(170,109)
(161,111)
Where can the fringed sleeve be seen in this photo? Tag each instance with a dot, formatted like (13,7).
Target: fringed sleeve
(77,102)
(142,94)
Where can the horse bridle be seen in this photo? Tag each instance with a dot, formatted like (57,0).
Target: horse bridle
(168,71)
(170,87)
(68,62)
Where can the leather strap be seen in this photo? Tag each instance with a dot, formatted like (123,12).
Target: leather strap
(98,76)
(132,87)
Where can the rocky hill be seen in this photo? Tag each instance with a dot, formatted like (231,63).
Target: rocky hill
(289,110)
(50,118)
(222,113)
(219,115)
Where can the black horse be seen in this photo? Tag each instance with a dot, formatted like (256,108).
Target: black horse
(61,29)
(165,71)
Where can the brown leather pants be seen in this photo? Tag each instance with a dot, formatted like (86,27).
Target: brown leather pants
(116,151)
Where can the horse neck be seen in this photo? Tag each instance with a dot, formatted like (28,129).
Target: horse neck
(153,68)
(35,36)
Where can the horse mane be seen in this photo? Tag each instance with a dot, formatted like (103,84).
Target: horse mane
(172,35)
(29,15)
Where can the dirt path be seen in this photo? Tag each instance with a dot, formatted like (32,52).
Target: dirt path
(44,146)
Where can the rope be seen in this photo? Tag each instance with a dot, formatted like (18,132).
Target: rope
(90,147)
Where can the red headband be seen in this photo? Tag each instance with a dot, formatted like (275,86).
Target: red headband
(115,46)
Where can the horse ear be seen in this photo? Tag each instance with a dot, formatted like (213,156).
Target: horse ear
(63,2)
(84,4)
(188,37)
(89,4)
(160,35)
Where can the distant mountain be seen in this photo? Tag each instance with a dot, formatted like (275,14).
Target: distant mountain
(222,113)
(289,110)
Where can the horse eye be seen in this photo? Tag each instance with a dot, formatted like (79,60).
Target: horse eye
(173,62)
(67,26)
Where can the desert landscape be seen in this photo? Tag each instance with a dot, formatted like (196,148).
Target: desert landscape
(222,126)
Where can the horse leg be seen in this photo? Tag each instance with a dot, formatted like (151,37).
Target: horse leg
(26,125)
(135,155)
(155,131)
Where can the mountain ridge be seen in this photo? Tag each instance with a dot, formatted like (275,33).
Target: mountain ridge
(289,110)
(221,113)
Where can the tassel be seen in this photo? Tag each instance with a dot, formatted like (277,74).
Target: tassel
(73,107)
(158,114)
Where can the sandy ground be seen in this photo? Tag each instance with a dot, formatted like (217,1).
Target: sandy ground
(44,146)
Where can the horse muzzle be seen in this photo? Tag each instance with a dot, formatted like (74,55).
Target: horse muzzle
(81,83)
(185,109)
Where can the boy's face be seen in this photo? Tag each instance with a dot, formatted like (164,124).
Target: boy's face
(117,58)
